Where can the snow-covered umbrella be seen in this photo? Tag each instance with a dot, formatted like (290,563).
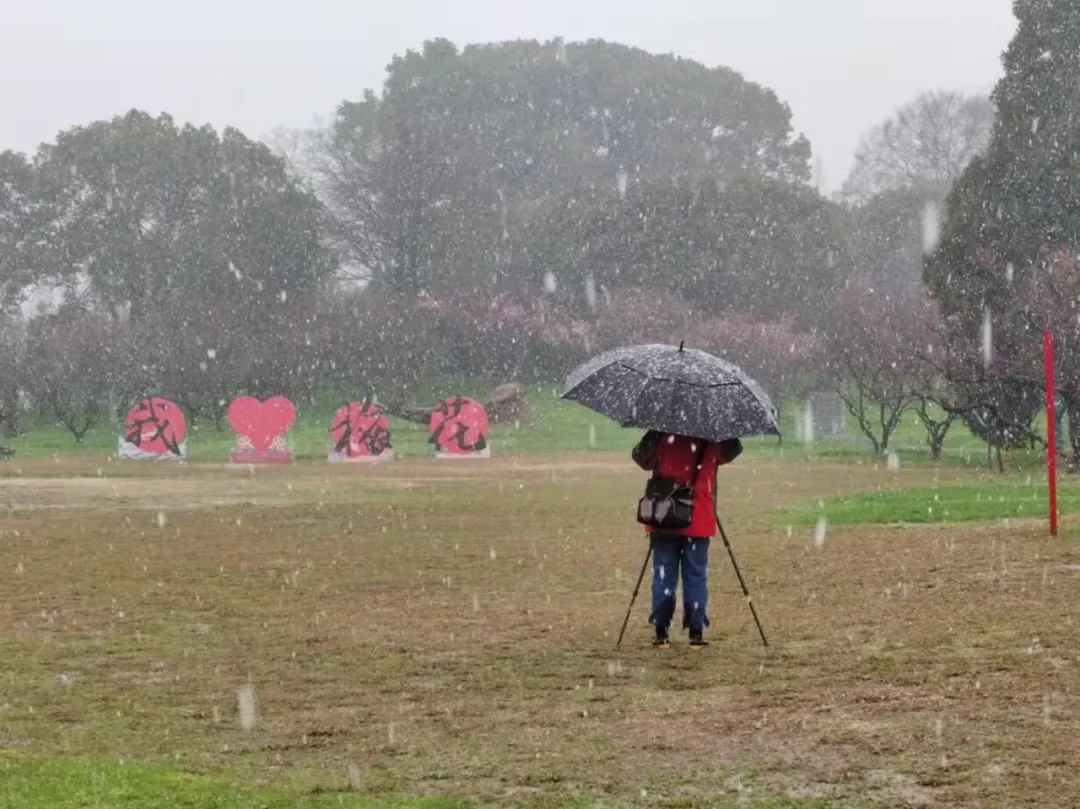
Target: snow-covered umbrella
(673,389)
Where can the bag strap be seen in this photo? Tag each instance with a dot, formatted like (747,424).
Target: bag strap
(699,457)
(697,467)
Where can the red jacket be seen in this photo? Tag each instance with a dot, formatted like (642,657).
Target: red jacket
(674,457)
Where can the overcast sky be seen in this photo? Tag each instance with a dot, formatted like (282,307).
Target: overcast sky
(842,65)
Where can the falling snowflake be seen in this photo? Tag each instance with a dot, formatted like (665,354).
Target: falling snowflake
(819,531)
(353,772)
(590,291)
(249,707)
(931,227)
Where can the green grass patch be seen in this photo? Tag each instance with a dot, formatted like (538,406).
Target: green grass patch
(981,501)
(79,783)
(61,783)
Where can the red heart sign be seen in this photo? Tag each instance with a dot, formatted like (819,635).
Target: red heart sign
(261,422)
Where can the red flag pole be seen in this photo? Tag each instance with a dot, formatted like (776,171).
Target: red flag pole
(1051,424)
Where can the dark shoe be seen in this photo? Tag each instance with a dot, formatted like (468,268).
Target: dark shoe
(661,640)
(696,639)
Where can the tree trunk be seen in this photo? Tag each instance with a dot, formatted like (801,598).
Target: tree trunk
(889,417)
(1074,433)
(937,439)
(9,412)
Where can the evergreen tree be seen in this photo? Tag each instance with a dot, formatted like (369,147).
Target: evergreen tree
(1014,208)
(1013,220)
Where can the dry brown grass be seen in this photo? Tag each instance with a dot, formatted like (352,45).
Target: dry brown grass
(449,628)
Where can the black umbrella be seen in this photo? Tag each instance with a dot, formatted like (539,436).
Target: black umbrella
(673,390)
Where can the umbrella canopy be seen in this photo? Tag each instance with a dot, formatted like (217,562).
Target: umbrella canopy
(674,390)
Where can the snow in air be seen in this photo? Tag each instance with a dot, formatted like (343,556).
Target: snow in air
(931,227)
(249,707)
(819,531)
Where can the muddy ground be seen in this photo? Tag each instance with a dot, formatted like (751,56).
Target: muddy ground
(449,628)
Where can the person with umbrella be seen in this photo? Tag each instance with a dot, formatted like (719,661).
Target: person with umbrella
(676,393)
(683,551)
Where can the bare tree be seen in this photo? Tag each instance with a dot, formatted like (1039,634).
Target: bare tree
(784,358)
(936,402)
(72,363)
(928,142)
(997,396)
(12,347)
(294,147)
(1051,300)
(377,173)
(872,346)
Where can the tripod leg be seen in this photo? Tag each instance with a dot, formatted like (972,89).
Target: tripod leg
(742,583)
(633,598)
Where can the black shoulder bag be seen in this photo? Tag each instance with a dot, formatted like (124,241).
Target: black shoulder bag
(668,505)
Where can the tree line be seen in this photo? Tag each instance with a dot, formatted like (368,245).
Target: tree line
(504,210)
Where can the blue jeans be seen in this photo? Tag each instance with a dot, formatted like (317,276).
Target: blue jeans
(673,554)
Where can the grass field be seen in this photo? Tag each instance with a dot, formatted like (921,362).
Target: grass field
(977,500)
(437,634)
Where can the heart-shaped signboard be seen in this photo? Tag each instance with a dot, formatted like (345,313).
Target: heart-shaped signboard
(261,422)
